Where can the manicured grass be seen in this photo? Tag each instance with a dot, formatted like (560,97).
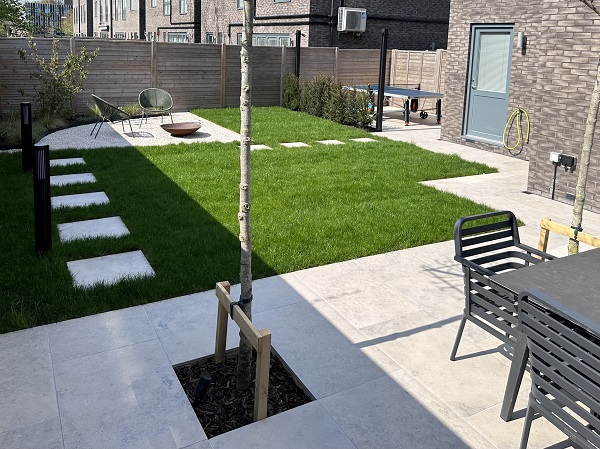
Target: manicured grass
(310,206)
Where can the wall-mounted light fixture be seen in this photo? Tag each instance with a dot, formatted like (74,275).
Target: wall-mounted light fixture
(522,42)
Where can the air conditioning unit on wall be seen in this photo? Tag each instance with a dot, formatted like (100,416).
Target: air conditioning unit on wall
(352,20)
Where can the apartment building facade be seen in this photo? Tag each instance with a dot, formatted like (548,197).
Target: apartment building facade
(412,24)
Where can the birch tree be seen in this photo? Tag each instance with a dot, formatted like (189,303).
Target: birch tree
(245,349)
(584,159)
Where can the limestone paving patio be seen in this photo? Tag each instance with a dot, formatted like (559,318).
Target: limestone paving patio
(370,338)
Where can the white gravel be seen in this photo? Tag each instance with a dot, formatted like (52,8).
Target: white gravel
(149,134)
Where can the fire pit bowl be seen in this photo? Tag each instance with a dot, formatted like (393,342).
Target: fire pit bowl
(181,129)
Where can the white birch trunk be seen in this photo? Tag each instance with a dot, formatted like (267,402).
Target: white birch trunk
(245,350)
(584,162)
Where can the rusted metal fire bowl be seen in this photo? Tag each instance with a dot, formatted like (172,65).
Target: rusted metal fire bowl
(181,129)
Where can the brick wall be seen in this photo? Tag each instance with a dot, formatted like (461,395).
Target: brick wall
(552,82)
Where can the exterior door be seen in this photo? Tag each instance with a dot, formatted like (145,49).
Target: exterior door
(488,83)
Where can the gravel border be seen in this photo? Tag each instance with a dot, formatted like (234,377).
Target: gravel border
(149,134)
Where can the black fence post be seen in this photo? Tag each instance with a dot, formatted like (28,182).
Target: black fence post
(298,40)
(26,137)
(41,198)
(381,86)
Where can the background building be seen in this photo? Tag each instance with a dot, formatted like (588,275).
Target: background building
(412,24)
(47,19)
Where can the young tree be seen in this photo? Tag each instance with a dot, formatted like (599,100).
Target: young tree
(584,159)
(245,350)
(12,17)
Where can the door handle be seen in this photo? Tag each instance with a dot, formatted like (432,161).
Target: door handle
(473,86)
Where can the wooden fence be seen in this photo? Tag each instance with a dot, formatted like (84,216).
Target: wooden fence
(202,75)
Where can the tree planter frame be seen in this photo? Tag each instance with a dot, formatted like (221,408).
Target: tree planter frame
(259,339)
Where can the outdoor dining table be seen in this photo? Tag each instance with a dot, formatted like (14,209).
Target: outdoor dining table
(574,282)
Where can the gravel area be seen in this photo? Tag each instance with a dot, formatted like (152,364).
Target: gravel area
(149,134)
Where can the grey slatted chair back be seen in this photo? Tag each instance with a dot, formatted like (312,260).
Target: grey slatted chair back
(485,245)
(154,101)
(565,369)
(111,113)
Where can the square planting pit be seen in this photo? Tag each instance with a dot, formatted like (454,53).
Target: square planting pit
(222,408)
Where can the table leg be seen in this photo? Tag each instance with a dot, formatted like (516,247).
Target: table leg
(438,110)
(515,376)
(406,111)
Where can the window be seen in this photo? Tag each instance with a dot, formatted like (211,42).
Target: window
(96,10)
(152,3)
(281,1)
(182,6)
(210,38)
(101,16)
(119,35)
(124,10)
(219,38)
(132,5)
(117,9)
(240,4)
(274,40)
(166,7)
(239,38)
(178,37)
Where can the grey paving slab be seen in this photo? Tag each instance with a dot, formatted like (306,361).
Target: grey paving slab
(79,200)
(186,326)
(27,393)
(305,427)
(66,161)
(355,293)
(397,412)
(331,142)
(98,333)
(295,144)
(124,398)
(422,346)
(101,227)
(259,147)
(507,435)
(321,348)
(109,270)
(200,445)
(77,178)
(47,435)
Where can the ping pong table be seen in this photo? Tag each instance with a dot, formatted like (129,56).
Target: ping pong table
(408,95)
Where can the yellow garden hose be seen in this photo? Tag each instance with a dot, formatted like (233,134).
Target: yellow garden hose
(517,113)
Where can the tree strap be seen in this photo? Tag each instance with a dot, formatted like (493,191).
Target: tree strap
(576,230)
(241,303)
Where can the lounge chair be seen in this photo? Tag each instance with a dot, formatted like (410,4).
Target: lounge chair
(111,113)
(155,101)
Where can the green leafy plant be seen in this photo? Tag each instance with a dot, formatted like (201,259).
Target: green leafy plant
(327,98)
(57,85)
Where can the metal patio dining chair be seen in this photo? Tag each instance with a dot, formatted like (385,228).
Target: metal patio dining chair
(154,101)
(485,245)
(565,369)
(111,113)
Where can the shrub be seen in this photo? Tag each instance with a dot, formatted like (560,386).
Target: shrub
(324,97)
(57,86)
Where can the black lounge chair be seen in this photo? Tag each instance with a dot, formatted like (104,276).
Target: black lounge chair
(155,101)
(111,113)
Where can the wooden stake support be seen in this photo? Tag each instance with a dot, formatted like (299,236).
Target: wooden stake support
(260,340)
(547,225)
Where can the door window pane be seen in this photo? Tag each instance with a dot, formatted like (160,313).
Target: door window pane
(492,62)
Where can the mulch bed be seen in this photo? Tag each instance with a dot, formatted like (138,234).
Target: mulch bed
(223,409)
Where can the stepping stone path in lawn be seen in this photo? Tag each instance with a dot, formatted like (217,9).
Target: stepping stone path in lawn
(331,142)
(109,270)
(101,227)
(364,140)
(295,144)
(105,270)
(69,161)
(259,147)
(79,178)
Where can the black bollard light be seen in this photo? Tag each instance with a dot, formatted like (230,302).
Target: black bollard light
(26,137)
(381,86)
(41,198)
(298,39)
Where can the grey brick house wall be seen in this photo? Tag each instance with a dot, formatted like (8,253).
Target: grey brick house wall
(552,81)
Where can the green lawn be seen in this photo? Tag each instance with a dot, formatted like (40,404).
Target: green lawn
(310,206)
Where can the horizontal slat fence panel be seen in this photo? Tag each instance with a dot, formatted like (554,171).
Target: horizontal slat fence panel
(194,75)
